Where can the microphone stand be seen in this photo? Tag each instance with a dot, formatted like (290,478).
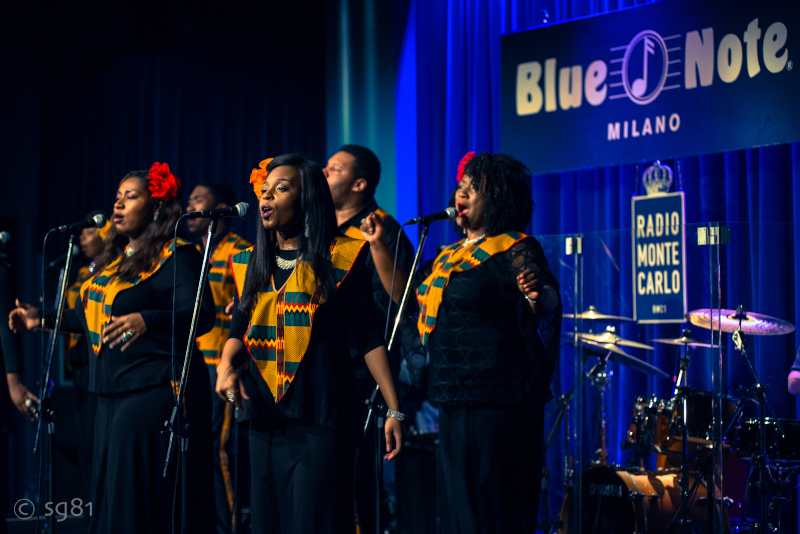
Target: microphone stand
(46,412)
(171,425)
(423,237)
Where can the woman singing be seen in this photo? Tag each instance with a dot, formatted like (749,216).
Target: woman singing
(490,317)
(126,315)
(300,273)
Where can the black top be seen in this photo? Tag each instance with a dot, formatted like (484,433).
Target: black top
(9,342)
(323,389)
(147,361)
(488,345)
(405,258)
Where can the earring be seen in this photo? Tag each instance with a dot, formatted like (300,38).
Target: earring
(306,230)
(155,216)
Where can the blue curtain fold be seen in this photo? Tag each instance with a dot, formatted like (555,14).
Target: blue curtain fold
(452,51)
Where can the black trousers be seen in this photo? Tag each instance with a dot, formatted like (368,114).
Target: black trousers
(221,427)
(491,458)
(129,493)
(301,479)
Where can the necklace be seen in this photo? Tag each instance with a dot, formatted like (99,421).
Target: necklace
(129,250)
(285,264)
(468,242)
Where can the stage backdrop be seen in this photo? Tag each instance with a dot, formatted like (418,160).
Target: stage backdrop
(673,78)
(449,102)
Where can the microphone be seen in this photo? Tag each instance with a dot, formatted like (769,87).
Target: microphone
(95,222)
(239,210)
(4,237)
(447,215)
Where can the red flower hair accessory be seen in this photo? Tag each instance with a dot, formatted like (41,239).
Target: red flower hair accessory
(259,176)
(469,156)
(162,183)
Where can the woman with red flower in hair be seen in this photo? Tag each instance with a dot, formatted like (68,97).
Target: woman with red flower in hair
(127,318)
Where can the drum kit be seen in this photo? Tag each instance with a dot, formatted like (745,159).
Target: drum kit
(680,431)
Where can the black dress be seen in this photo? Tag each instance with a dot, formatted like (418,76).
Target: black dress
(491,364)
(302,449)
(135,398)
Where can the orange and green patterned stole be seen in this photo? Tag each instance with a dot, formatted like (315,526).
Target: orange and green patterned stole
(280,325)
(74,298)
(355,232)
(220,279)
(455,259)
(98,293)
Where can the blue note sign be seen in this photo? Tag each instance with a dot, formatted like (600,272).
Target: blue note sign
(659,269)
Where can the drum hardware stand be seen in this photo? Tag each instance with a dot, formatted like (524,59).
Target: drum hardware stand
(600,377)
(759,395)
(562,417)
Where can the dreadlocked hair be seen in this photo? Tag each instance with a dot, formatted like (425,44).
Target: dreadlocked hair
(504,183)
(318,215)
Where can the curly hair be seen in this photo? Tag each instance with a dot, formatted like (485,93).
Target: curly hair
(504,183)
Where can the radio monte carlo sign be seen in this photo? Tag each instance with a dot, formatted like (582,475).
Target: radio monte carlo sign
(668,79)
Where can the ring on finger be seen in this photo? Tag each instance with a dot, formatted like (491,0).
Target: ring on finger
(127,336)
(230,395)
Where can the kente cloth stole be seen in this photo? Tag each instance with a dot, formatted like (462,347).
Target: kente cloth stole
(220,279)
(280,326)
(356,233)
(98,293)
(455,259)
(74,298)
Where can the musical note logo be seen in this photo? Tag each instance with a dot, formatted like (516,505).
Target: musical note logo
(639,86)
(655,60)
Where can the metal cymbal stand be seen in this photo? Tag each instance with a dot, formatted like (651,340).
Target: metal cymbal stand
(682,393)
(600,377)
(759,395)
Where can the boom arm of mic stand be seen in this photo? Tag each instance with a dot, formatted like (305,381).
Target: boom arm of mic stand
(190,343)
(399,317)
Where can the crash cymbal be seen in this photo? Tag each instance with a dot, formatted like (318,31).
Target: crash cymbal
(592,315)
(751,323)
(621,357)
(612,338)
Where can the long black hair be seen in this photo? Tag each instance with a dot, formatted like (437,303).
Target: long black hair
(504,183)
(318,216)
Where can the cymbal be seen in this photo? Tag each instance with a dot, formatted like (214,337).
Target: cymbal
(621,357)
(752,323)
(592,315)
(611,337)
(685,340)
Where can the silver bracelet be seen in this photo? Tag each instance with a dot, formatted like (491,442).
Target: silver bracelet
(532,301)
(395,415)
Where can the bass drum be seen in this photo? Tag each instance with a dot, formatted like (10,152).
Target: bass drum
(616,501)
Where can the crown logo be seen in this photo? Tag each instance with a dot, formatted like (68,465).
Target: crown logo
(657,179)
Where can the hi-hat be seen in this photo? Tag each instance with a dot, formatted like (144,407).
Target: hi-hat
(621,357)
(592,314)
(751,323)
(684,340)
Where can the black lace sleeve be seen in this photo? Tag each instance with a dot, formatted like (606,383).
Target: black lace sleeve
(541,334)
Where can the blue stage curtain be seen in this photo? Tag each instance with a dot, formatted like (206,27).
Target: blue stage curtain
(447,103)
